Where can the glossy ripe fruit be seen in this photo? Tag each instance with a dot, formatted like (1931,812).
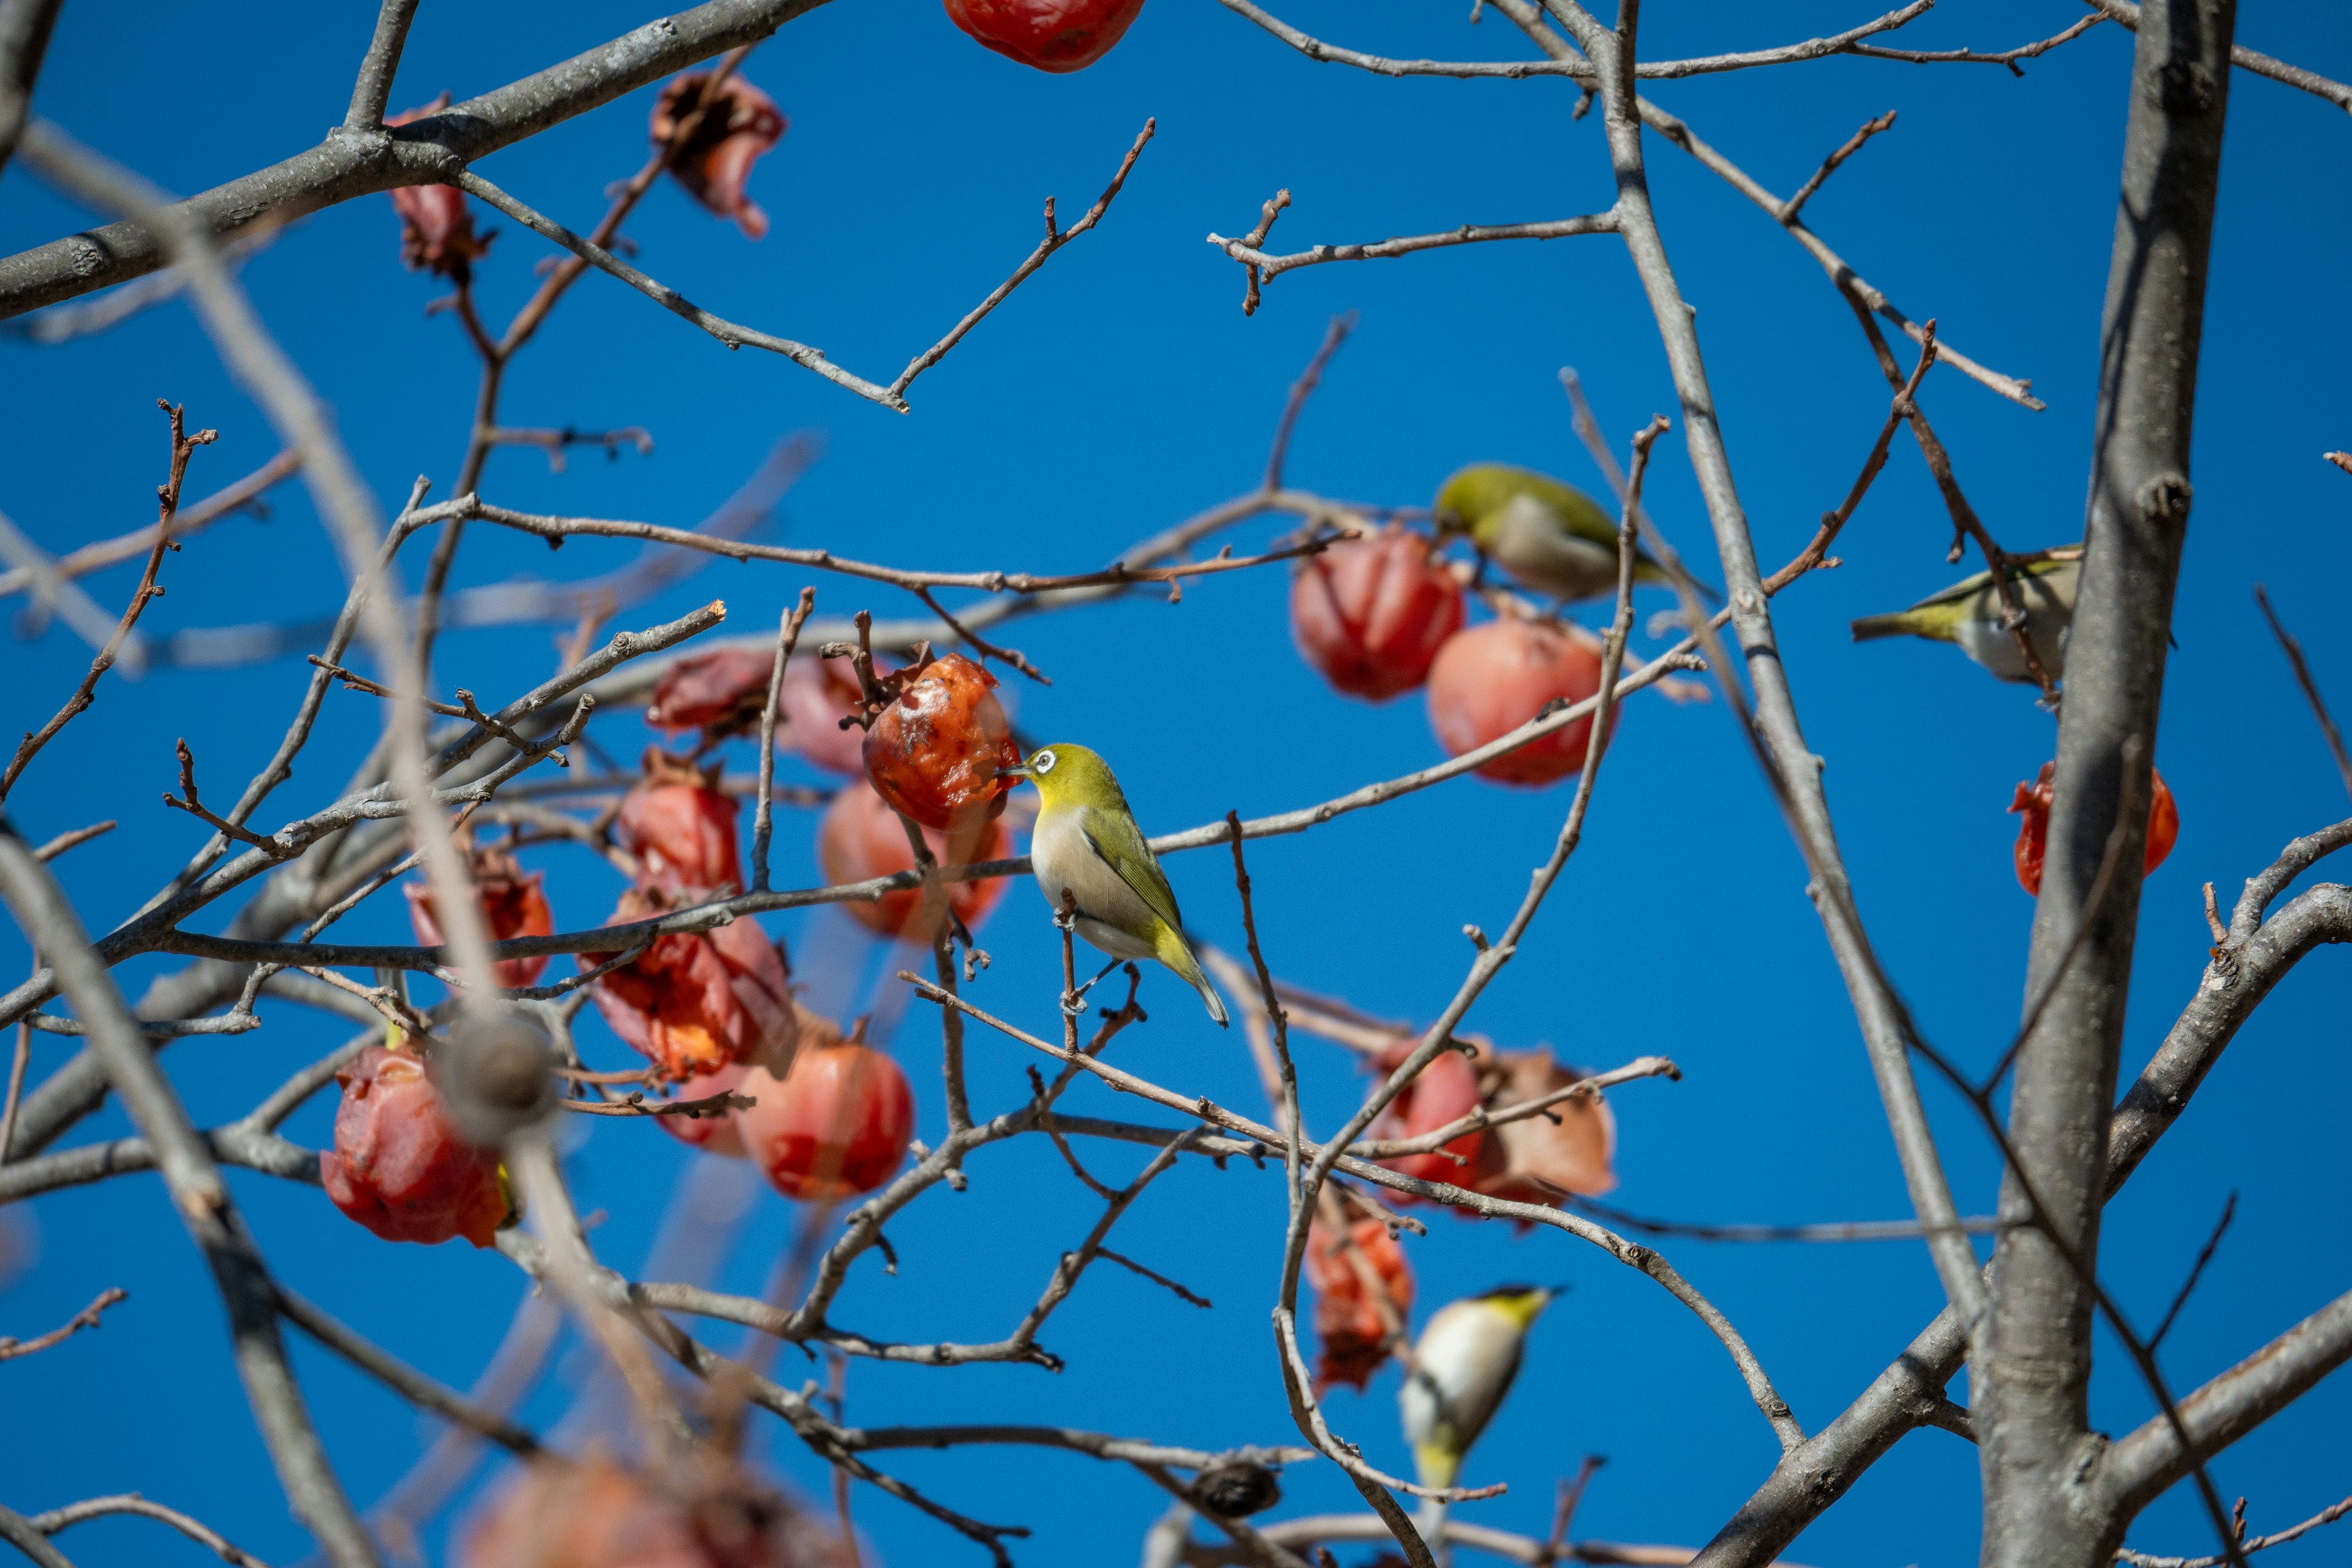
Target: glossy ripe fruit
(712,1134)
(835,1126)
(680,828)
(1446,1091)
(719,693)
(935,751)
(1371,614)
(861,838)
(1051,35)
(397,1166)
(698,1001)
(1493,677)
(1537,1160)
(1348,1304)
(818,694)
(715,164)
(513,904)
(2032,802)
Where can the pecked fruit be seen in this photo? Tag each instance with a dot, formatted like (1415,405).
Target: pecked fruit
(1371,614)
(398,1167)
(513,904)
(2032,802)
(1490,679)
(1348,1316)
(934,752)
(681,828)
(696,1002)
(1051,35)
(861,838)
(834,1127)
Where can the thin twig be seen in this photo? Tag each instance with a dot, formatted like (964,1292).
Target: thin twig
(11,1347)
(2293,650)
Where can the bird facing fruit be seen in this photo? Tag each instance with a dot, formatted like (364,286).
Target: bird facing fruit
(1968,614)
(1086,844)
(1551,538)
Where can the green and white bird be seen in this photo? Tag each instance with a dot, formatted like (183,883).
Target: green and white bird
(1468,1354)
(1086,843)
(1551,538)
(1463,1366)
(1968,616)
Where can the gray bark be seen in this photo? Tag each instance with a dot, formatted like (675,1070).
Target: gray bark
(25,27)
(2031,1386)
(1902,1398)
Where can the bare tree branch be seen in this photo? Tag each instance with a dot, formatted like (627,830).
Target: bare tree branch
(348,164)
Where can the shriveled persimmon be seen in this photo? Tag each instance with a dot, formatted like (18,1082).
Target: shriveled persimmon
(681,827)
(1363,1296)
(695,1001)
(513,903)
(934,752)
(819,698)
(398,1167)
(719,693)
(1540,1159)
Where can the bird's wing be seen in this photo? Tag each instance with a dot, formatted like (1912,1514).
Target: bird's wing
(1576,512)
(1979,583)
(1114,838)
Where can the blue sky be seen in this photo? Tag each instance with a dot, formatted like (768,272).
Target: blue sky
(1119,392)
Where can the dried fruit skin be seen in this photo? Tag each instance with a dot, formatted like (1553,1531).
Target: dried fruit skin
(935,751)
(819,693)
(397,1166)
(513,904)
(1446,1091)
(696,1002)
(861,838)
(1051,35)
(1535,1160)
(2032,802)
(715,162)
(837,1125)
(1371,614)
(1490,679)
(1348,1317)
(437,228)
(681,830)
(719,693)
(712,1134)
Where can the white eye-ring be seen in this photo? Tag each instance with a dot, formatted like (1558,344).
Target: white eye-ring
(1044,762)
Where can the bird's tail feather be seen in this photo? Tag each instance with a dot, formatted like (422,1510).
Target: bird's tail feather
(1899,623)
(1177,954)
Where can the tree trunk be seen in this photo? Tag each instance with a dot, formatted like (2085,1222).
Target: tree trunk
(2031,1392)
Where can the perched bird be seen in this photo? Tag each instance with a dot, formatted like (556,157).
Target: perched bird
(1085,842)
(1468,1354)
(1550,536)
(1968,614)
